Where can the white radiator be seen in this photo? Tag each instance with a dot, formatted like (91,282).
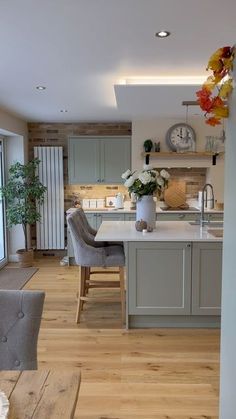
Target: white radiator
(50,231)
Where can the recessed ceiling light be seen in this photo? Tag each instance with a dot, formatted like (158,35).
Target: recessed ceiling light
(162,34)
(40,87)
(63,110)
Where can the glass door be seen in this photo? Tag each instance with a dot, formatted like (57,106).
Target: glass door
(3,244)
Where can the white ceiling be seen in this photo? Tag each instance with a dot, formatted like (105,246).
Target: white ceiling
(79,49)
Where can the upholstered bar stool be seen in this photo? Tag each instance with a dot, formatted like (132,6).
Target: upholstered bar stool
(87,256)
(20,317)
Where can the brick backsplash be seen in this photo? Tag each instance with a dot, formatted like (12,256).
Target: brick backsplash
(194,177)
(92,191)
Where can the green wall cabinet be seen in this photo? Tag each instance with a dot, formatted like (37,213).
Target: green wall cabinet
(98,160)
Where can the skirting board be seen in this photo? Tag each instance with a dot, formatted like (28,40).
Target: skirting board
(145,321)
(13,258)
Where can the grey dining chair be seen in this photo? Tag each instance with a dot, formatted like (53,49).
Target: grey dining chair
(20,317)
(91,232)
(87,256)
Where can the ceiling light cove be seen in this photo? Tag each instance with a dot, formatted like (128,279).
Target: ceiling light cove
(162,34)
(168,80)
(41,87)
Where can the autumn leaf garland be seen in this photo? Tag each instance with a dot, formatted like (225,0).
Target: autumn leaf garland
(221,65)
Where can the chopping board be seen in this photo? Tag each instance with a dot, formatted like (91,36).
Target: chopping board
(175,195)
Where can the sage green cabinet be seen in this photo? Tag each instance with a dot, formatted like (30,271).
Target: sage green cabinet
(159,278)
(108,217)
(115,159)
(171,278)
(162,216)
(95,160)
(130,217)
(92,219)
(206,278)
(83,161)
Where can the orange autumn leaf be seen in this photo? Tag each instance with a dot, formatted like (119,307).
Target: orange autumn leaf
(204,100)
(210,83)
(213,121)
(217,102)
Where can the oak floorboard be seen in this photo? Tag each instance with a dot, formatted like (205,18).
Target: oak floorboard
(143,374)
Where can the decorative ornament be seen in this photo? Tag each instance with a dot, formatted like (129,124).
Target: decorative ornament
(221,82)
(140,225)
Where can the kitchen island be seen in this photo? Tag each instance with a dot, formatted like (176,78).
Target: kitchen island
(173,273)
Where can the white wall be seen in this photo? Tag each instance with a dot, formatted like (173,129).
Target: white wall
(228,330)
(156,130)
(15,134)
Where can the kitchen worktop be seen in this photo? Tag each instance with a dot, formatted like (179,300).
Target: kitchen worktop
(165,231)
(159,210)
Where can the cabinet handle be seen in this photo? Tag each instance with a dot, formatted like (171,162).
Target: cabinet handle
(181,215)
(98,180)
(102,180)
(188,245)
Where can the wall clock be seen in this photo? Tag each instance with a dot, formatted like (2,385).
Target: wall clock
(181,137)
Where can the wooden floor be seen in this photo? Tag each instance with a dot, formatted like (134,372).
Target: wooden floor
(143,374)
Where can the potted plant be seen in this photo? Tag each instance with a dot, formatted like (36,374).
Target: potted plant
(23,192)
(148,144)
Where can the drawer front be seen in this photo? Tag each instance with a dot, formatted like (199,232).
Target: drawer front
(177,217)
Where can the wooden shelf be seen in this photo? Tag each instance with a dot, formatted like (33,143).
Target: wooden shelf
(191,154)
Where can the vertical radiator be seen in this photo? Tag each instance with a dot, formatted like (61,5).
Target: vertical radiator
(50,231)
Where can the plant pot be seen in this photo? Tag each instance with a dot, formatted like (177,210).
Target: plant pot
(25,257)
(146,210)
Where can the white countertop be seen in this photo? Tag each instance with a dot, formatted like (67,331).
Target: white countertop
(129,211)
(165,231)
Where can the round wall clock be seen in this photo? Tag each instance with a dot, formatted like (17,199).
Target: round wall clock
(181,137)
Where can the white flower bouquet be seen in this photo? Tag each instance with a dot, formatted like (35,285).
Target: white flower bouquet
(146,182)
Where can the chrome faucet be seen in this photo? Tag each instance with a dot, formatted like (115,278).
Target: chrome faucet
(204,202)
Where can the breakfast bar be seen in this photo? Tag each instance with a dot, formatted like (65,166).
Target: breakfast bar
(173,274)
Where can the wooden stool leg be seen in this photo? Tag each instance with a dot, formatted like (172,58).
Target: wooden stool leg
(85,287)
(122,293)
(87,279)
(78,287)
(81,292)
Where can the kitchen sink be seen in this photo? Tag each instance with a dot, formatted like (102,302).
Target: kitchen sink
(209,224)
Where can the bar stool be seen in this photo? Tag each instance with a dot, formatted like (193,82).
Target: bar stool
(87,256)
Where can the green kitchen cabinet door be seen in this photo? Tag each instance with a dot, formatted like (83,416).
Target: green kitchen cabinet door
(84,160)
(115,159)
(159,278)
(92,219)
(206,278)
(109,217)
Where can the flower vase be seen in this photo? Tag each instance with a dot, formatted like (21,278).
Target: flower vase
(146,210)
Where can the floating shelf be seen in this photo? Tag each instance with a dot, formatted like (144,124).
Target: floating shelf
(191,154)
(186,154)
